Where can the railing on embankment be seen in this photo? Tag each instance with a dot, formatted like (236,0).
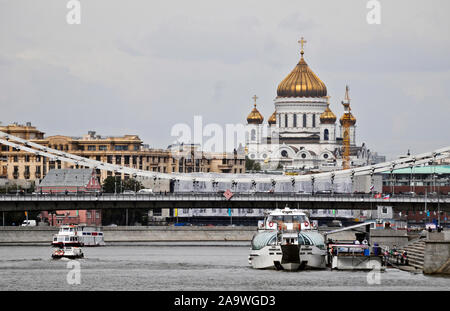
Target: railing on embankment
(41,235)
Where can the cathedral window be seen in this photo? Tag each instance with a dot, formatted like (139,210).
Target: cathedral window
(253,135)
(313,120)
(326,135)
(284,154)
(295,120)
(286,120)
(304,120)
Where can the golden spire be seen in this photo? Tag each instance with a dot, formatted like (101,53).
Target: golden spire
(302,81)
(302,41)
(347,117)
(255,98)
(328,117)
(255,117)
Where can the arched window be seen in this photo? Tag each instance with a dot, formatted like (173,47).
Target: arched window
(314,120)
(295,120)
(286,120)
(304,120)
(326,134)
(253,135)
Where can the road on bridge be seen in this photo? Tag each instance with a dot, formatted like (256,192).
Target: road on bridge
(216,200)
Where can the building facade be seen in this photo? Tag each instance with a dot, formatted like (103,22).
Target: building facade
(127,150)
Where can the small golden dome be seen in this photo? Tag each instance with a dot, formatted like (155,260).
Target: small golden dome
(302,82)
(347,117)
(255,117)
(327,117)
(273,118)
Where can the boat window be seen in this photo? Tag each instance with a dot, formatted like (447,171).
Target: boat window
(66,238)
(287,218)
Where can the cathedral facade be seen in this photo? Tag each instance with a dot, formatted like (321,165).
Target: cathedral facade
(302,133)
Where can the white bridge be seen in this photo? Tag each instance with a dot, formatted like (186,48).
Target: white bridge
(252,179)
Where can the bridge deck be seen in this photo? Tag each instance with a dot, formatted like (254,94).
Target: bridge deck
(206,200)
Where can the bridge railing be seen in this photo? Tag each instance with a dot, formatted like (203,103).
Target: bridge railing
(212,196)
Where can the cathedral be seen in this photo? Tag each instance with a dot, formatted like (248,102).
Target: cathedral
(302,134)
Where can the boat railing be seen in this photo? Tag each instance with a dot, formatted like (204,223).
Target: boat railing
(354,250)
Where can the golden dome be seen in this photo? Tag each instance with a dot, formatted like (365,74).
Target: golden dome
(327,117)
(255,117)
(302,82)
(347,117)
(273,118)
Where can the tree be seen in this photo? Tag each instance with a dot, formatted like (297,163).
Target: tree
(251,165)
(132,184)
(257,166)
(112,184)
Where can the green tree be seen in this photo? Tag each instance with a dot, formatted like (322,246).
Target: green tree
(132,184)
(112,184)
(252,165)
(257,166)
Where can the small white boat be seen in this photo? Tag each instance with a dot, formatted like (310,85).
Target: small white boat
(355,257)
(287,240)
(71,252)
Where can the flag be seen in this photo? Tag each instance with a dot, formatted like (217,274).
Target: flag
(386,197)
(377,196)
(371,187)
(229,212)
(26,214)
(176,212)
(228,194)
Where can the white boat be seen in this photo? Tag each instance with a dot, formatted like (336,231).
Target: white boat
(287,240)
(71,252)
(67,243)
(86,236)
(355,257)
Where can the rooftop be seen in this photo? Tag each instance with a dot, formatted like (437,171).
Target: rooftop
(430,169)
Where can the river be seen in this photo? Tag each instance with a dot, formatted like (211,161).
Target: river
(183,266)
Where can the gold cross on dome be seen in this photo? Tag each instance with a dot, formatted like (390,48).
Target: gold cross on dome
(255,98)
(302,42)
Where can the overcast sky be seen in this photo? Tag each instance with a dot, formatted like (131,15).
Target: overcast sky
(141,66)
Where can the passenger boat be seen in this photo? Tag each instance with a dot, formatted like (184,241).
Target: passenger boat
(87,236)
(287,240)
(357,254)
(67,244)
(355,257)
